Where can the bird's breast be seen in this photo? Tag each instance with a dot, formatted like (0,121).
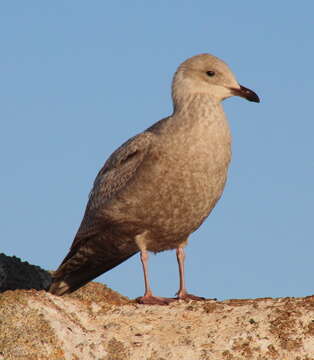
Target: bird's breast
(179,183)
(190,179)
(182,179)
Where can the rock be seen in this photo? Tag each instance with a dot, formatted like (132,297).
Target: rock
(96,322)
(15,274)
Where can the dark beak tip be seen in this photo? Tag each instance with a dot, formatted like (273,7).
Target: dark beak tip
(246,93)
(254,98)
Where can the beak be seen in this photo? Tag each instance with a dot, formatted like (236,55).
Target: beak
(246,93)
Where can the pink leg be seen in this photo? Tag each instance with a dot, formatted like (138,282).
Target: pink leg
(182,293)
(181,262)
(149,298)
(144,260)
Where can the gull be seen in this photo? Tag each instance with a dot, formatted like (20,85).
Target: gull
(159,186)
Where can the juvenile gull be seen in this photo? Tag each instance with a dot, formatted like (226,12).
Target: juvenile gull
(159,186)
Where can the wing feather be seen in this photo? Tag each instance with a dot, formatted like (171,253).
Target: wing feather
(117,171)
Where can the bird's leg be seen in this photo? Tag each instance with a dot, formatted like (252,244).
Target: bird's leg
(181,262)
(182,294)
(149,298)
(144,260)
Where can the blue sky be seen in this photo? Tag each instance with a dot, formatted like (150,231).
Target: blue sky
(78,78)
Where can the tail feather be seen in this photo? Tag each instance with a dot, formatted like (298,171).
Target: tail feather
(88,260)
(64,282)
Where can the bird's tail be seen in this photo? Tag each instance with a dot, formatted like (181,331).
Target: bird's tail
(85,262)
(68,283)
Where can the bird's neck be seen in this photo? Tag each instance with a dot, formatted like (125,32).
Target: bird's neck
(198,110)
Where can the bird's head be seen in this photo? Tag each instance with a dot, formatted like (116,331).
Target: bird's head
(207,74)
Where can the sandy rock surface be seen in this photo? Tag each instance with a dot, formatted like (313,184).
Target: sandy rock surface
(98,323)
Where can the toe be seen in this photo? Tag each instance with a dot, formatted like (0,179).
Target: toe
(187,297)
(154,300)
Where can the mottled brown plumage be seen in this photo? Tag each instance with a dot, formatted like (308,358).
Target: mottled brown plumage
(159,186)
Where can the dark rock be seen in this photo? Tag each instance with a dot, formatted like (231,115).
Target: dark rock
(16,274)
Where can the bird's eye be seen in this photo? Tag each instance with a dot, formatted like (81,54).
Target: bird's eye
(210,73)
